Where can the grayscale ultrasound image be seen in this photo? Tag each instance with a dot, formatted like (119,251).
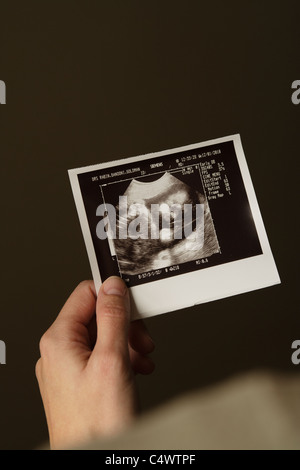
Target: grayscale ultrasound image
(140,255)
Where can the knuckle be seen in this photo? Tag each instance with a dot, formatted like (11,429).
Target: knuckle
(46,343)
(84,284)
(114,309)
(38,367)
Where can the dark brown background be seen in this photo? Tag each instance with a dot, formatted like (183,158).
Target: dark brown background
(91,81)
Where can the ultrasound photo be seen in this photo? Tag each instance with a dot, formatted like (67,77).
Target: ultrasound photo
(168,248)
(181,226)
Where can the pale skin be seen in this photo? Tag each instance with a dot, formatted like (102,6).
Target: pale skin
(89,358)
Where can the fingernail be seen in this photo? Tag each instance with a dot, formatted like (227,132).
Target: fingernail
(114,286)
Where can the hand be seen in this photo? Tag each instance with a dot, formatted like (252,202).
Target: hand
(87,365)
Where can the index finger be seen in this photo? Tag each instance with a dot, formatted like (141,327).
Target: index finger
(80,306)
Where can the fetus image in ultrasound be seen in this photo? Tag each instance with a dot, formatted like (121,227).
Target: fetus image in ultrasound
(167,219)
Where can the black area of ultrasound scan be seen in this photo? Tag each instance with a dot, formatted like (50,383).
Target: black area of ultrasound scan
(232,218)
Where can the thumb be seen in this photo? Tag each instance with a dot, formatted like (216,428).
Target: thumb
(113,317)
